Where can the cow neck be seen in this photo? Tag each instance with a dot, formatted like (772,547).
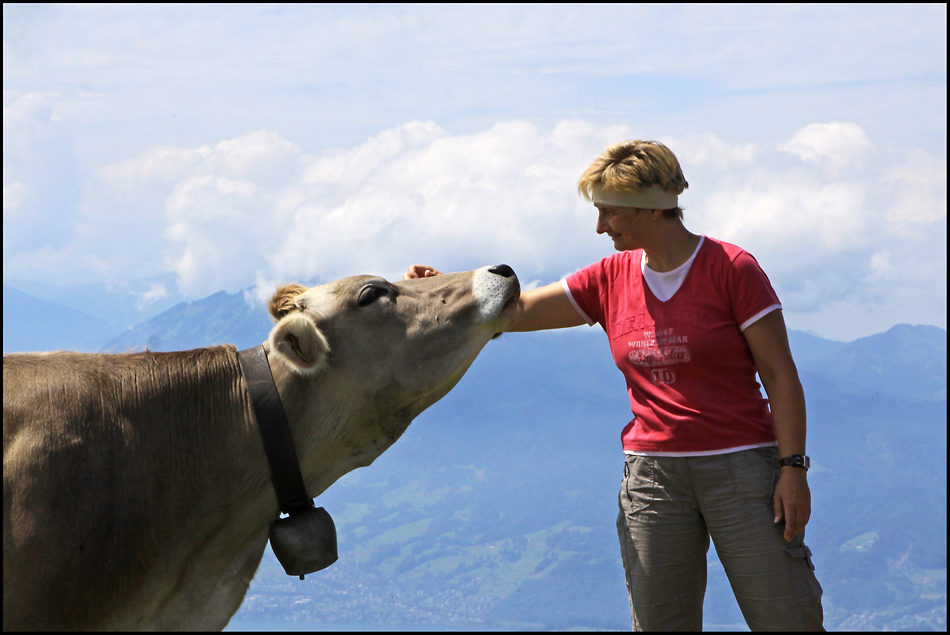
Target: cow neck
(275,432)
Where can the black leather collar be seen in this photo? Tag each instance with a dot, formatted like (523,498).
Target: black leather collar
(275,432)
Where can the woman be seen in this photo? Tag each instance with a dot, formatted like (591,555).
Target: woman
(690,321)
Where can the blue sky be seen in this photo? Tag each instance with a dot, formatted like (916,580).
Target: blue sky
(221,147)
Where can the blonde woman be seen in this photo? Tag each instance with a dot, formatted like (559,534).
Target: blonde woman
(691,320)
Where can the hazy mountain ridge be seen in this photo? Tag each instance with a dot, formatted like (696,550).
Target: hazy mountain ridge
(121,304)
(496,509)
(905,361)
(221,318)
(34,324)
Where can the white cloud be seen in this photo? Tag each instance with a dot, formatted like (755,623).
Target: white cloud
(256,207)
(786,211)
(256,210)
(13,195)
(882,265)
(873,243)
(833,145)
(919,190)
(163,164)
(353,167)
(229,212)
(455,201)
(705,149)
(155,292)
(40,176)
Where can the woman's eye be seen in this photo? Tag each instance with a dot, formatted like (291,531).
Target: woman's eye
(370,294)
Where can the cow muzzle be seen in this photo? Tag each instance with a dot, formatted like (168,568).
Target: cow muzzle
(304,542)
(494,288)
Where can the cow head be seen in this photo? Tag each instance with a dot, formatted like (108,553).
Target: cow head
(368,355)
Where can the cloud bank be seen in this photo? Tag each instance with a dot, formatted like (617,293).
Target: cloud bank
(833,220)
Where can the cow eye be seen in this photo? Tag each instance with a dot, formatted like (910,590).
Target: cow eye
(371,293)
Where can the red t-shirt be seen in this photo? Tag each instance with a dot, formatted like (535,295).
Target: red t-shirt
(690,374)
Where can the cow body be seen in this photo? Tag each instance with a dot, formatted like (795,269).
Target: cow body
(136,492)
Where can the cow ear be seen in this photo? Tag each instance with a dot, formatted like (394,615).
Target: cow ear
(298,342)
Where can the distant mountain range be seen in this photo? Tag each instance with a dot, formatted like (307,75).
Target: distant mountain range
(35,324)
(120,305)
(496,509)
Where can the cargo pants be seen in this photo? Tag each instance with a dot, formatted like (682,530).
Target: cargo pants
(669,508)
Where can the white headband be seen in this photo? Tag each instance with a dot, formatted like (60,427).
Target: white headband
(649,198)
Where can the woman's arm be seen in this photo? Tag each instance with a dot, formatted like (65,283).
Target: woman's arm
(546,308)
(540,309)
(768,341)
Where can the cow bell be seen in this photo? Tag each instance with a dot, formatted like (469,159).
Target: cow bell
(304,542)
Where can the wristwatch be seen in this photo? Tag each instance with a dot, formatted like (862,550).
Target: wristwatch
(797,460)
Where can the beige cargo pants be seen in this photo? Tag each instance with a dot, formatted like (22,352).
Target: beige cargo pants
(669,508)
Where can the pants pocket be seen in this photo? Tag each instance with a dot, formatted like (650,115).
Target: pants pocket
(801,552)
(637,490)
(754,474)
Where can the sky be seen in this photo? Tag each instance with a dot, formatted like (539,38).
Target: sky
(228,147)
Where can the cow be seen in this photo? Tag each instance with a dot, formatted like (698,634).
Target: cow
(136,492)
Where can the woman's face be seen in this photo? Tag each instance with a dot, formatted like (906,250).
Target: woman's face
(626,226)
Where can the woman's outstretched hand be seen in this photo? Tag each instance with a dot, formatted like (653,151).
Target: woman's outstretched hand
(420,271)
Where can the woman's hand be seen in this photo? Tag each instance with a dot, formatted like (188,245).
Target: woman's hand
(792,501)
(420,271)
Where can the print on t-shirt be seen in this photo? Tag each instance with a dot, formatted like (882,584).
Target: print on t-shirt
(690,375)
(657,350)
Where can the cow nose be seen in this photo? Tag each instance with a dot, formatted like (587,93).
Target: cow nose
(502,270)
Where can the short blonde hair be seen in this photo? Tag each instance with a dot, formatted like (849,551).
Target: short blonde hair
(634,165)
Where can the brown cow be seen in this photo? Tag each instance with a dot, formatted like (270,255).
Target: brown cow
(136,493)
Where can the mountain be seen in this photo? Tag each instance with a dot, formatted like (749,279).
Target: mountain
(496,509)
(221,318)
(34,324)
(120,304)
(906,362)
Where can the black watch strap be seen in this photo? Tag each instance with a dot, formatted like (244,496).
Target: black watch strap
(797,460)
